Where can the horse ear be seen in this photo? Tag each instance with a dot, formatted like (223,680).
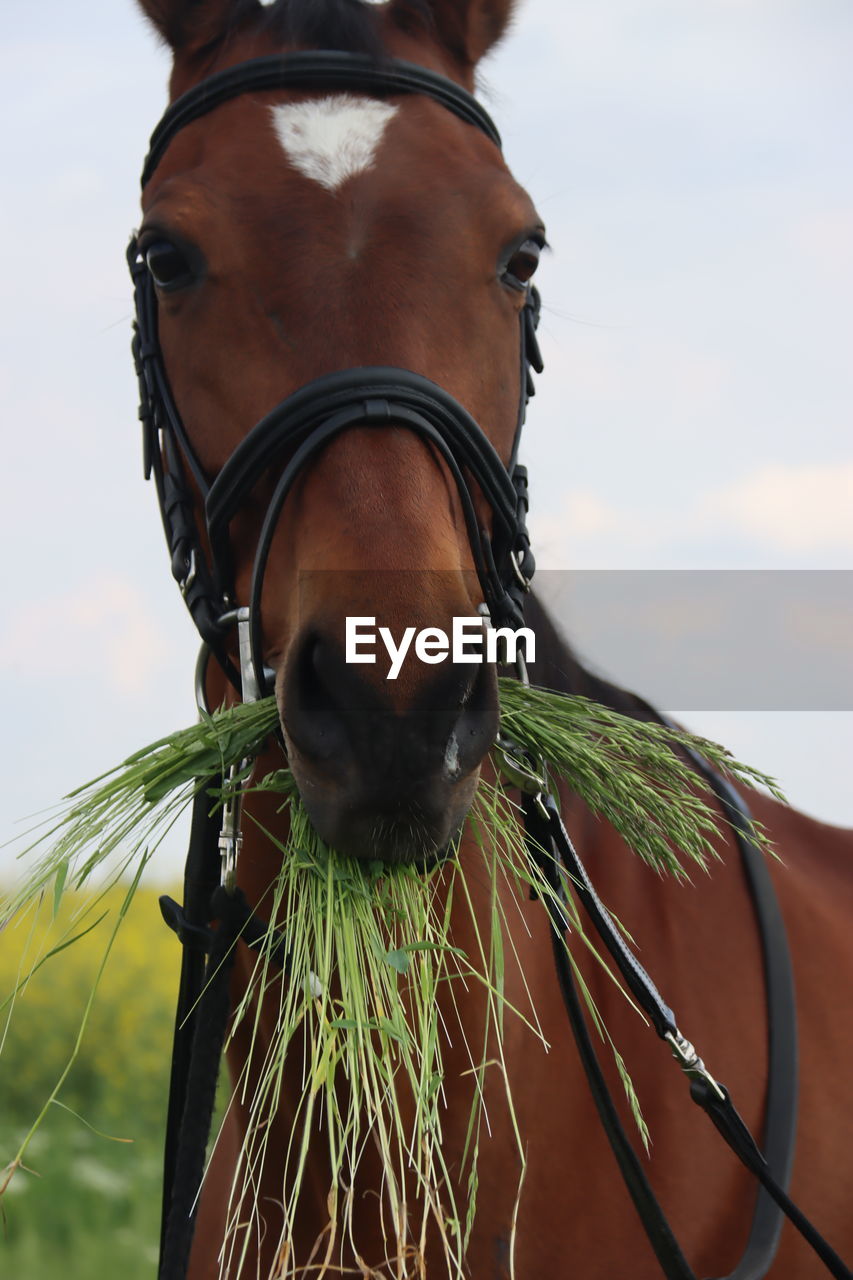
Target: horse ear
(189,25)
(467,28)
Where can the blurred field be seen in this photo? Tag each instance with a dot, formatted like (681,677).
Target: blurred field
(92,1214)
(86,1206)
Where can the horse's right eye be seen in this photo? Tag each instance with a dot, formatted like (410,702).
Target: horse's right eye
(168,265)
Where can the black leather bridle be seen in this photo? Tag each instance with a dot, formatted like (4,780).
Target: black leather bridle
(295,431)
(288,439)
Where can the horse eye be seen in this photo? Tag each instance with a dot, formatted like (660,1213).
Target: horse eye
(168,265)
(521,266)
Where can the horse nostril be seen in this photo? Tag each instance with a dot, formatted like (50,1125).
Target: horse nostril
(476,728)
(312,712)
(339,721)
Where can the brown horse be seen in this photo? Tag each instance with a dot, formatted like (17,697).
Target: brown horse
(293,233)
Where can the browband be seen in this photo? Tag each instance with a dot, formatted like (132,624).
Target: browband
(307,69)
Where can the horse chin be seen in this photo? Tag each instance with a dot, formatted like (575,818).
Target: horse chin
(416,830)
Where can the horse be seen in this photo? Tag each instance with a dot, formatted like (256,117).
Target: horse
(350,242)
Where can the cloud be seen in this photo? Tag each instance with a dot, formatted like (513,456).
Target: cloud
(558,538)
(823,237)
(103,631)
(792,510)
(795,508)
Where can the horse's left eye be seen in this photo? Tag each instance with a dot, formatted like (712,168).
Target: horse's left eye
(169,267)
(521,266)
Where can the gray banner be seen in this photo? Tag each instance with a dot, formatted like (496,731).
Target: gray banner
(723,640)
(686,640)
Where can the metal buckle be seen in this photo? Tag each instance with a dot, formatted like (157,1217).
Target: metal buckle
(690,1062)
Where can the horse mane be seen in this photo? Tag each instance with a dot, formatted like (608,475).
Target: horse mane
(349,25)
(558,667)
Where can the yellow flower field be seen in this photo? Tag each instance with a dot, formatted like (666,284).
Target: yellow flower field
(86,1204)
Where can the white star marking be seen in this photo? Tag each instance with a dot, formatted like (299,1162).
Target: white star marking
(333,139)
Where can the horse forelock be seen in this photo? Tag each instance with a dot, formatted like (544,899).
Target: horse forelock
(348,25)
(352,26)
(210,34)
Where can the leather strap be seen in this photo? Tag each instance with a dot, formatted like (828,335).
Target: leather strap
(550,844)
(310,69)
(378,398)
(200,1020)
(674,1265)
(780,1119)
(201,876)
(202,1073)
(356,397)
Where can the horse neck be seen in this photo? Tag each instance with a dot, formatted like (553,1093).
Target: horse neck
(558,667)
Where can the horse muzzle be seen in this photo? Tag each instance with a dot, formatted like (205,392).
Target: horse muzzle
(380,781)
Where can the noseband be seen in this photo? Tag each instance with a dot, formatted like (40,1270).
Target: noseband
(293,433)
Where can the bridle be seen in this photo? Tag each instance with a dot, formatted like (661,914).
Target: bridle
(289,438)
(296,430)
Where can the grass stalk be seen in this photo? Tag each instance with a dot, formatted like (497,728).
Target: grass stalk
(376,986)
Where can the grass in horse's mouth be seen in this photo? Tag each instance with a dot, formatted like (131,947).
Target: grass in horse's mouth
(374,970)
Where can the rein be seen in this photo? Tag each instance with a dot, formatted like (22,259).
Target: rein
(551,848)
(287,439)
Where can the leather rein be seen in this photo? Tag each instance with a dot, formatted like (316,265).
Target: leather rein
(284,442)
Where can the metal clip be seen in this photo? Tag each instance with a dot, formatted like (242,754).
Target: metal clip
(230,835)
(231,831)
(202,662)
(190,575)
(250,692)
(690,1062)
(248,675)
(519,768)
(515,561)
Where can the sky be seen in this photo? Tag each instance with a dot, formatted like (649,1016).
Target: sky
(693,166)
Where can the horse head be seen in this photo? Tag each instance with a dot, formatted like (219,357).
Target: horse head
(334,263)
